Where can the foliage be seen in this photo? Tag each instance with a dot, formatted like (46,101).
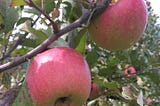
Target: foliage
(22,28)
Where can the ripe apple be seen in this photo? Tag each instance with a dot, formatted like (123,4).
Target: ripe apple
(59,77)
(130,71)
(94,91)
(120,25)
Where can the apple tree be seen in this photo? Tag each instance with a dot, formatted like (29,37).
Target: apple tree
(124,67)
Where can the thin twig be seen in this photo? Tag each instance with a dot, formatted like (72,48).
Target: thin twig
(32,4)
(19,41)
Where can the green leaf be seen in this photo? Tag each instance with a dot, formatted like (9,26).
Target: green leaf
(154,76)
(4,4)
(103,82)
(22,2)
(48,7)
(37,37)
(82,42)
(113,61)
(59,42)
(111,85)
(75,13)
(1,23)
(17,3)
(133,103)
(31,43)
(39,34)
(23,98)
(22,20)
(9,15)
(68,8)
(105,72)
(31,11)
(21,51)
(1,19)
(11,18)
(92,58)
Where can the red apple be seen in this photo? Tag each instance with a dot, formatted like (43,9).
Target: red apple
(59,77)
(130,71)
(120,25)
(94,91)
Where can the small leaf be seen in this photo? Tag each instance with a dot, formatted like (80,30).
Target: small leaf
(111,85)
(82,44)
(92,58)
(29,43)
(48,7)
(17,3)
(59,42)
(31,11)
(11,18)
(22,2)
(2,26)
(23,98)
(9,15)
(21,51)
(1,20)
(4,4)
(22,20)
(39,34)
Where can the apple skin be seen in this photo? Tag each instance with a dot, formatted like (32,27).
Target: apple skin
(120,25)
(130,71)
(94,91)
(59,77)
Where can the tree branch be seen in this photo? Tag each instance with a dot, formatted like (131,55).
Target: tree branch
(8,97)
(78,23)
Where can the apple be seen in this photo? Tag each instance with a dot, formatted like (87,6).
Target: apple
(94,91)
(59,77)
(120,25)
(130,71)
